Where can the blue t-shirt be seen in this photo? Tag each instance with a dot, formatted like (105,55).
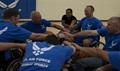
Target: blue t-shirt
(114,58)
(88,24)
(10,33)
(112,41)
(36,28)
(41,56)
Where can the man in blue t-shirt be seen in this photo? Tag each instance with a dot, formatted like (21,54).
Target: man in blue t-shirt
(112,42)
(44,56)
(88,23)
(48,55)
(113,57)
(39,25)
(10,33)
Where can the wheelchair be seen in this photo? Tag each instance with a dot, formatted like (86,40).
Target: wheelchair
(15,61)
(14,65)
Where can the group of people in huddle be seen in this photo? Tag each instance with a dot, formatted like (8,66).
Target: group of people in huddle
(49,51)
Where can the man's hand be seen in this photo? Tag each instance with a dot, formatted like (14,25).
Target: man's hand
(71,27)
(22,45)
(66,30)
(77,46)
(79,54)
(61,35)
(68,34)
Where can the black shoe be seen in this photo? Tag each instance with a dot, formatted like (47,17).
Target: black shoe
(71,68)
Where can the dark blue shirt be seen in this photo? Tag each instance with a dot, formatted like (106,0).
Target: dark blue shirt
(112,41)
(36,28)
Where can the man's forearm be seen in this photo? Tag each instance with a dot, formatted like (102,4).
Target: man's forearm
(95,52)
(86,33)
(65,25)
(58,27)
(6,46)
(105,68)
(87,50)
(38,36)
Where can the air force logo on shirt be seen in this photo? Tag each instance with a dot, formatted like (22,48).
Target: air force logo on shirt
(42,26)
(3,30)
(38,51)
(112,44)
(89,26)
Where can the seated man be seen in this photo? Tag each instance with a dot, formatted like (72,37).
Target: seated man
(46,56)
(39,25)
(88,23)
(112,42)
(69,20)
(10,33)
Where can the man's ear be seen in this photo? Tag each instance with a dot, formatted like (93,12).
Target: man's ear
(12,18)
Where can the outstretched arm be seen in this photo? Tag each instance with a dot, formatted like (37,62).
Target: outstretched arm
(93,52)
(58,27)
(38,36)
(7,46)
(107,67)
(83,33)
(87,33)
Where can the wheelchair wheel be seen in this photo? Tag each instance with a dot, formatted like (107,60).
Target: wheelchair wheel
(16,54)
(99,44)
(14,65)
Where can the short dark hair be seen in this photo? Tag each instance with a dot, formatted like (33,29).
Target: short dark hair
(9,13)
(115,18)
(69,10)
(91,7)
(52,39)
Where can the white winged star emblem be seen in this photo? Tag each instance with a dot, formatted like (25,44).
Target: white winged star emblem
(3,30)
(112,44)
(89,26)
(12,5)
(37,50)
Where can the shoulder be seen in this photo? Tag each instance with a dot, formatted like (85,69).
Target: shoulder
(96,19)
(44,20)
(73,17)
(84,18)
(102,31)
(68,48)
(64,16)
(26,23)
(5,23)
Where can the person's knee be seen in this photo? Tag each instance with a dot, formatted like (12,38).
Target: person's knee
(80,62)
(98,69)
(79,65)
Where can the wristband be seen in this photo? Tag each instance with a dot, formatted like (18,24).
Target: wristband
(62,40)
